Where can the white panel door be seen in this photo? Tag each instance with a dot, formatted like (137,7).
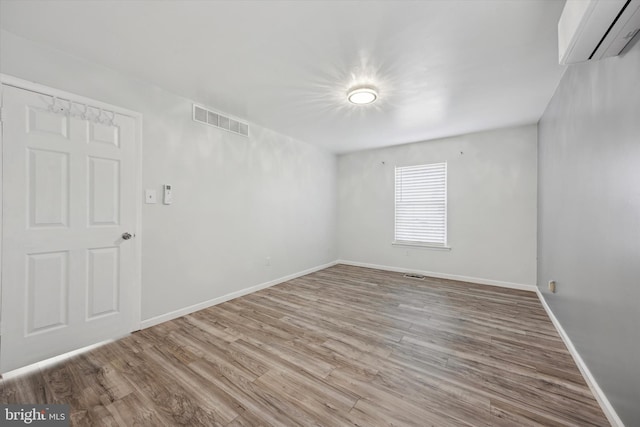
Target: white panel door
(68,275)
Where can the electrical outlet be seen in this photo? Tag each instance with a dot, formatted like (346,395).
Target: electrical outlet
(552,286)
(267,261)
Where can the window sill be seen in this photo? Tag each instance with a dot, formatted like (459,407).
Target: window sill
(421,245)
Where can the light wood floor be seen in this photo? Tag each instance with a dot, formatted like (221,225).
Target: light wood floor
(343,346)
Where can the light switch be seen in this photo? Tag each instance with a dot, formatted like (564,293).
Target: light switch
(150,196)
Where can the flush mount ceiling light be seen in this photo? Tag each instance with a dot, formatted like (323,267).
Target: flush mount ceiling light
(362,95)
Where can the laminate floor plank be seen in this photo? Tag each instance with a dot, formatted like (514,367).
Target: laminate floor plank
(344,346)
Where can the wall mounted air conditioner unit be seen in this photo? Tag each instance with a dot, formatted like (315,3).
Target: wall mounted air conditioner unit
(596,29)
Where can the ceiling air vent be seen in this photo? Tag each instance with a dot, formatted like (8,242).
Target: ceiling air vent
(220,121)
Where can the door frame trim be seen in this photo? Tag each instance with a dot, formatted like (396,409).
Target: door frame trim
(8,80)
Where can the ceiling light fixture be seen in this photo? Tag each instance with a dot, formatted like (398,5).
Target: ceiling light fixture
(362,95)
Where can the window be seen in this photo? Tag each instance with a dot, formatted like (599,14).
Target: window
(421,205)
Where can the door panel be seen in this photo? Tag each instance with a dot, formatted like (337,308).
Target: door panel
(103,134)
(68,278)
(104,191)
(40,120)
(48,182)
(104,281)
(47,289)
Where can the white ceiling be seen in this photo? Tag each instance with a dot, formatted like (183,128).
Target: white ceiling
(442,67)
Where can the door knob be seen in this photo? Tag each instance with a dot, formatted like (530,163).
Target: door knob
(127,236)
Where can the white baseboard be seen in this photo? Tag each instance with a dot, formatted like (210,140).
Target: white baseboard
(36,367)
(219,300)
(481,281)
(606,406)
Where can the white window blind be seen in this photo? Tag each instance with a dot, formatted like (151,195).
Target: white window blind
(421,204)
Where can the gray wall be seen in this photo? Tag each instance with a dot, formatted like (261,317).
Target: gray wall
(491,221)
(589,220)
(237,201)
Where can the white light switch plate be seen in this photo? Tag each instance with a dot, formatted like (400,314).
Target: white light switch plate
(150,196)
